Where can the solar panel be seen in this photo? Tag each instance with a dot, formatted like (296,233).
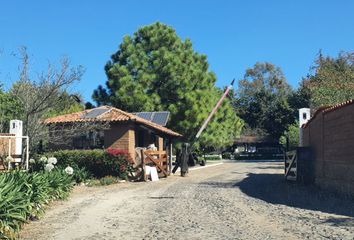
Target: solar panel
(145,115)
(159,118)
(95,113)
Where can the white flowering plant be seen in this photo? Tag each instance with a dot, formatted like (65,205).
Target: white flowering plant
(52,160)
(43,159)
(48,167)
(43,163)
(69,170)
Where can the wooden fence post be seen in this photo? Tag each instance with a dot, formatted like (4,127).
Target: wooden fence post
(143,165)
(170,158)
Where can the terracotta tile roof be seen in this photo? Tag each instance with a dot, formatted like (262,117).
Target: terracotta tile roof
(337,106)
(327,109)
(111,115)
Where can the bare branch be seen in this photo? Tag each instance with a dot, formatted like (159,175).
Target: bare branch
(40,96)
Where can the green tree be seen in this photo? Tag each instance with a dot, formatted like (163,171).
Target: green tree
(10,109)
(332,80)
(156,70)
(300,98)
(262,99)
(293,135)
(68,103)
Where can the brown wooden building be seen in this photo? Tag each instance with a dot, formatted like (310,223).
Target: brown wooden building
(122,130)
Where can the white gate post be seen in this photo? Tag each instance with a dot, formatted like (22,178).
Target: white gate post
(304,117)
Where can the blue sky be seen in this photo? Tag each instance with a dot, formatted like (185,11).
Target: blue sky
(233,34)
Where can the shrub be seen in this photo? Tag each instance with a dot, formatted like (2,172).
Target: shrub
(99,163)
(108,180)
(211,157)
(226,155)
(81,175)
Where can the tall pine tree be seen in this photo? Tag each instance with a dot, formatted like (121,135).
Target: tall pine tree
(156,70)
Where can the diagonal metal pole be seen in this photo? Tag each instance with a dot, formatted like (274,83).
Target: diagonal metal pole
(187,149)
(215,109)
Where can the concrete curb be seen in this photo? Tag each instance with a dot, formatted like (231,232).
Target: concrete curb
(201,167)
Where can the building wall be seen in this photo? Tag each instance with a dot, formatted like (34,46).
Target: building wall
(55,141)
(120,136)
(331,137)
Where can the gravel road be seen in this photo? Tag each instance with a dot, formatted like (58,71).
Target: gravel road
(243,200)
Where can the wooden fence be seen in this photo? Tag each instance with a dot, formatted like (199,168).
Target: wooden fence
(299,165)
(158,159)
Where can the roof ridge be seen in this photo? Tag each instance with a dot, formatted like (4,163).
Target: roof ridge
(130,115)
(68,114)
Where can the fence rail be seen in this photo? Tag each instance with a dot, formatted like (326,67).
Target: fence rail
(290,161)
(156,159)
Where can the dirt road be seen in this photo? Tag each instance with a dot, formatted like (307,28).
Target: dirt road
(244,200)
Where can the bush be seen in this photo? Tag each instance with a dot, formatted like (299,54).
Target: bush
(210,157)
(81,175)
(108,180)
(99,163)
(24,195)
(226,155)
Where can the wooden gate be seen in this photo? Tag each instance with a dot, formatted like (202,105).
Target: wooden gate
(290,162)
(299,165)
(156,159)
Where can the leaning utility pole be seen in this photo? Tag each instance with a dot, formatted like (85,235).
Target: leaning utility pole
(182,160)
(215,109)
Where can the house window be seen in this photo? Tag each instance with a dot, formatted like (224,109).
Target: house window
(89,140)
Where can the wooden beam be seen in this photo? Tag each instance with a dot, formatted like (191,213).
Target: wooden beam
(143,165)
(170,157)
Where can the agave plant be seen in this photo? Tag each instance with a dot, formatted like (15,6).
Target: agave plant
(23,195)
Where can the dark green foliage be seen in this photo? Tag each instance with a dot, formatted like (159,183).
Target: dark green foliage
(10,109)
(332,80)
(209,157)
(226,155)
(81,175)
(257,156)
(89,105)
(67,103)
(300,98)
(99,163)
(24,195)
(156,70)
(262,99)
(293,136)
